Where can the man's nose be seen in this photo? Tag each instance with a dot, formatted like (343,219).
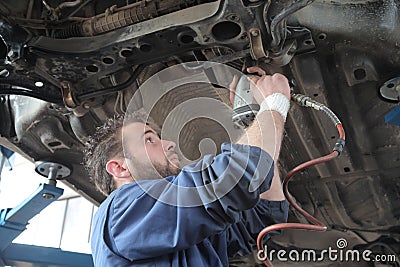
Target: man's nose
(168,145)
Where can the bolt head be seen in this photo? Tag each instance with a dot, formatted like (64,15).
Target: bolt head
(4,73)
(47,196)
(254,33)
(11,54)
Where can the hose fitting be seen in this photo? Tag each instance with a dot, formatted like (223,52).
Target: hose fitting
(339,146)
(306,101)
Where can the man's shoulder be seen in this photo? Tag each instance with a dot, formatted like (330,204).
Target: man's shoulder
(123,192)
(127,192)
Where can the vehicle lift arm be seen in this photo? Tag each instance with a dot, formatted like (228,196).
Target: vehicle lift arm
(14,221)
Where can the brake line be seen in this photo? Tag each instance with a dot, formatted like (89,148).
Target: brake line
(316,225)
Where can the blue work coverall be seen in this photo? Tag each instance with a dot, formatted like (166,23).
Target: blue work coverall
(137,225)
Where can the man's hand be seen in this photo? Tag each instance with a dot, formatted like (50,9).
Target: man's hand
(264,85)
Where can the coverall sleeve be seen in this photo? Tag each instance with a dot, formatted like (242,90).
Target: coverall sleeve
(242,236)
(178,212)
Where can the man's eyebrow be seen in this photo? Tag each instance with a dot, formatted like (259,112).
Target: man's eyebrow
(148,131)
(151,131)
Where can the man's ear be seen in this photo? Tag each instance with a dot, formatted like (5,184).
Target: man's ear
(118,168)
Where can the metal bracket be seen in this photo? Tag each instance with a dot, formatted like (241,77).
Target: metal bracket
(256,46)
(14,36)
(298,41)
(79,109)
(285,55)
(66,90)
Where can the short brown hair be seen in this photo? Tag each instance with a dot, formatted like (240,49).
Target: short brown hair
(105,144)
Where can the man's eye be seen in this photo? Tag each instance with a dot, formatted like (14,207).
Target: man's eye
(148,140)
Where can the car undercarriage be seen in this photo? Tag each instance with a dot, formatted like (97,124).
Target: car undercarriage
(67,66)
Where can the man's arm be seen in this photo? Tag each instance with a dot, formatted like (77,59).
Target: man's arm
(267,129)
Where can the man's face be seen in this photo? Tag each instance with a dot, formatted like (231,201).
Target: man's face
(149,157)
